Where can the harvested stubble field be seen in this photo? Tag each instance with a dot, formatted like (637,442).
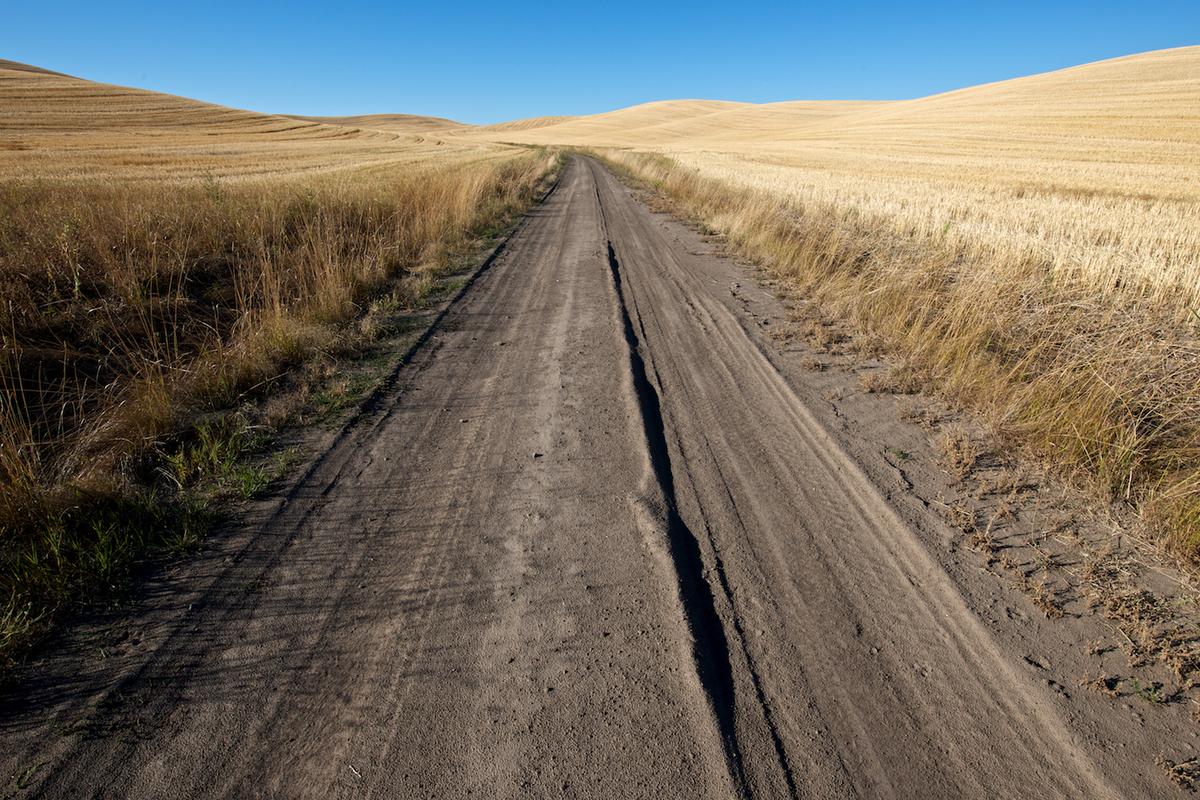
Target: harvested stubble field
(1031,248)
(163,261)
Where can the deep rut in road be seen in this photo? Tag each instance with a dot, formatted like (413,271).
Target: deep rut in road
(710,645)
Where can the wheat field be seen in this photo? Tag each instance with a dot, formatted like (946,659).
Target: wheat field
(58,128)
(1031,248)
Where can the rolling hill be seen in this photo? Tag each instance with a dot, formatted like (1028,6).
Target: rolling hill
(55,126)
(1134,103)
(393,123)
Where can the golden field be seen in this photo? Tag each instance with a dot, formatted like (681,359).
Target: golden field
(58,128)
(1031,248)
(168,267)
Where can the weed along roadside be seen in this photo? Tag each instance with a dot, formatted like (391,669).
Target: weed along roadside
(233,314)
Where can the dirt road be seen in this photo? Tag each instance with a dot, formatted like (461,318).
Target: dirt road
(593,542)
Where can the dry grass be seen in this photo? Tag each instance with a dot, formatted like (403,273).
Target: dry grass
(1029,248)
(1184,774)
(958,452)
(140,311)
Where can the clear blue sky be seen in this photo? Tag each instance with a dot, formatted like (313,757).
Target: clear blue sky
(483,62)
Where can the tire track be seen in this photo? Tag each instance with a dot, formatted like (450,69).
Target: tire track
(710,643)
